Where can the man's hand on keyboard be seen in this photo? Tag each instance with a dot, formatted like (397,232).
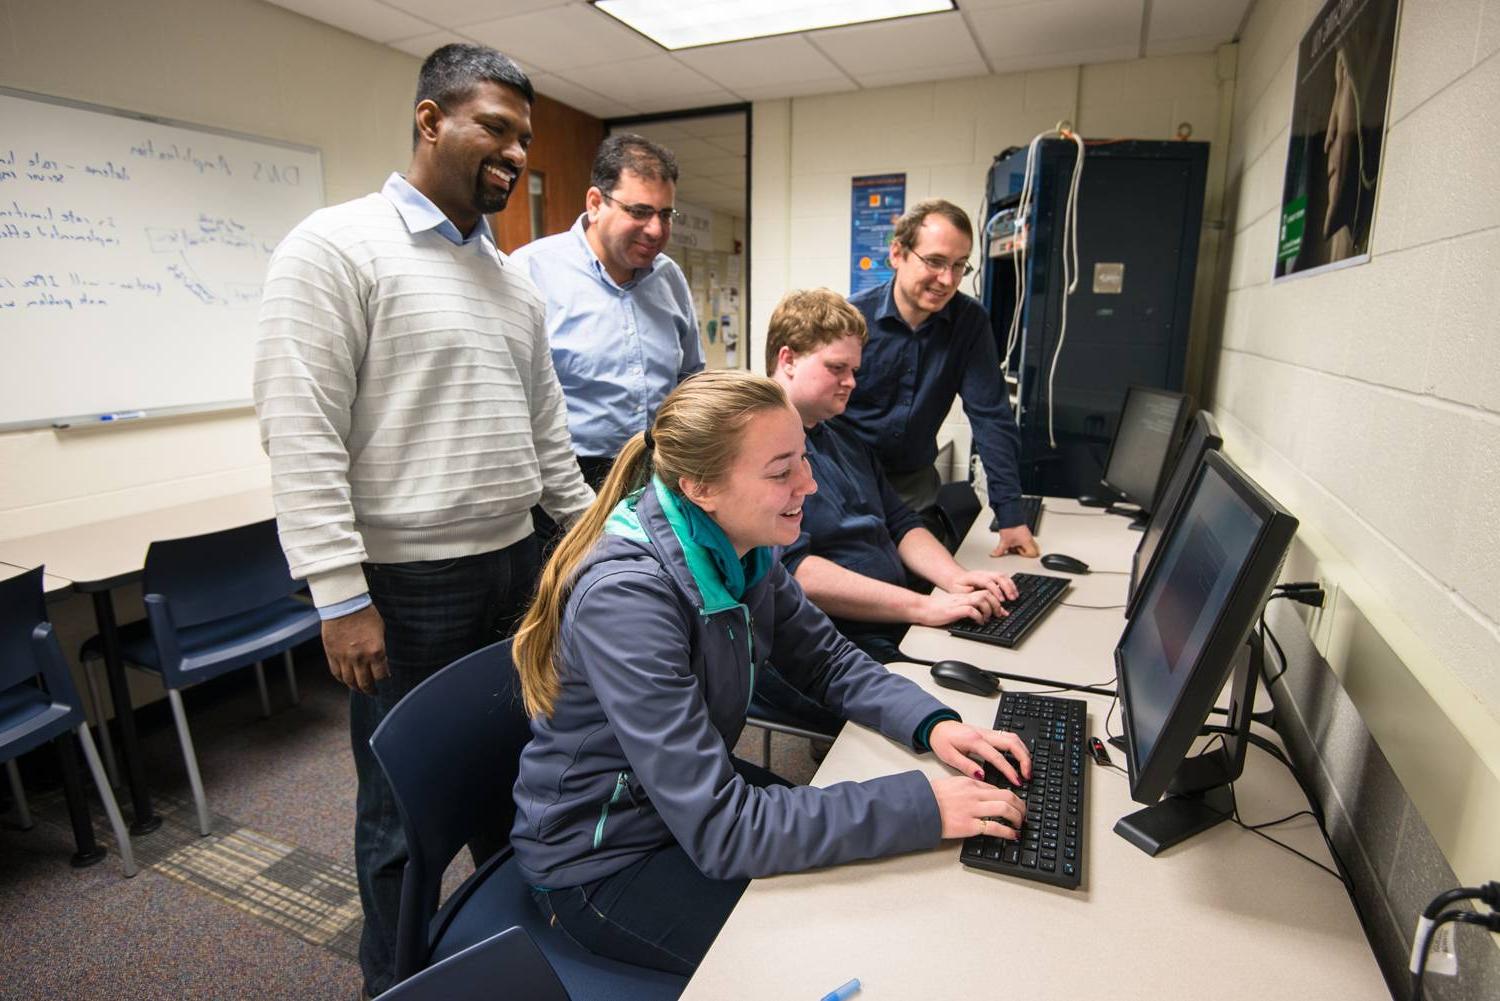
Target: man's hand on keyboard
(958,745)
(940,607)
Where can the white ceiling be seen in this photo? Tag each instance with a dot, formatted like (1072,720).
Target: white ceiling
(586,59)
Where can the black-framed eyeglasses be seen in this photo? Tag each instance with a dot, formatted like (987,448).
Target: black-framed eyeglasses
(937,265)
(641,213)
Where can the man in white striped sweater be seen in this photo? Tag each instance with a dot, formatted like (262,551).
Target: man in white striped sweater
(408,403)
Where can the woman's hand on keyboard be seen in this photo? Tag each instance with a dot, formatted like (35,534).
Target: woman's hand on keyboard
(958,745)
(969,807)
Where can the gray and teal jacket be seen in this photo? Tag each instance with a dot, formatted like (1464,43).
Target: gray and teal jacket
(657,662)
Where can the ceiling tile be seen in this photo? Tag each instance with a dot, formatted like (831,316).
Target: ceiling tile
(562,89)
(1070,26)
(563,38)
(451,13)
(932,40)
(923,74)
(1178,20)
(775,89)
(366,18)
(755,63)
(1183,46)
(423,45)
(655,83)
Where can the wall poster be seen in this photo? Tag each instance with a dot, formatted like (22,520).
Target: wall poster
(877,201)
(1337,133)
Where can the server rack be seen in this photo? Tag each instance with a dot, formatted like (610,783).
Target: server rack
(1139,211)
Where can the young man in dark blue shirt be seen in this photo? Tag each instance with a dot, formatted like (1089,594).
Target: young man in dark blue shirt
(928,342)
(859,541)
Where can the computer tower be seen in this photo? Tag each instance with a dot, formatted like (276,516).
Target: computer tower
(1139,210)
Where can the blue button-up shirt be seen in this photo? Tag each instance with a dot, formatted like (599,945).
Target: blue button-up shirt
(907,381)
(618,349)
(420,215)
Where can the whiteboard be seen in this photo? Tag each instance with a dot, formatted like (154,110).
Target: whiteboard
(132,253)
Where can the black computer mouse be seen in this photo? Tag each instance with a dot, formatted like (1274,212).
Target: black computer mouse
(963,677)
(1066,564)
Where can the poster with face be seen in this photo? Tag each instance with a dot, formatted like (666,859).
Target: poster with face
(1337,134)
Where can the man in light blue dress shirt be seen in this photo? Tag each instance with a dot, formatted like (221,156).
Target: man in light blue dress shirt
(619,314)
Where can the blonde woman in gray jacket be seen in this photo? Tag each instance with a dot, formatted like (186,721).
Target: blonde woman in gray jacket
(635,826)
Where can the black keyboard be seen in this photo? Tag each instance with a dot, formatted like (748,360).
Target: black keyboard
(1031,511)
(1050,849)
(1038,593)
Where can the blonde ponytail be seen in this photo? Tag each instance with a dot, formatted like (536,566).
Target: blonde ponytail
(696,436)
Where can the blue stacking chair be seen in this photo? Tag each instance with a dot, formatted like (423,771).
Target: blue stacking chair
(510,958)
(451,750)
(31,715)
(215,603)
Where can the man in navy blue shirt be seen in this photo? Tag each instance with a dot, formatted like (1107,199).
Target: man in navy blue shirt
(859,540)
(928,342)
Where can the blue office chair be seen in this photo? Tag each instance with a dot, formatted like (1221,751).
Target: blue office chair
(31,715)
(215,603)
(451,750)
(510,958)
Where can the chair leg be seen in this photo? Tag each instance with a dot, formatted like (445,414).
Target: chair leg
(23,814)
(107,797)
(265,696)
(97,705)
(765,747)
(291,677)
(189,758)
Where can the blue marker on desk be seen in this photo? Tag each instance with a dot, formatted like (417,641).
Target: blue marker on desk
(843,993)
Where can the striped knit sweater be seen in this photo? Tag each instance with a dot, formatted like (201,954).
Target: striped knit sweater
(406,398)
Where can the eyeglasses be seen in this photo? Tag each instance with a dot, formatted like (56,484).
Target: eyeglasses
(641,213)
(937,265)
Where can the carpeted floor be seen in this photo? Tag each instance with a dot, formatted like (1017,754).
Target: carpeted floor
(265,907)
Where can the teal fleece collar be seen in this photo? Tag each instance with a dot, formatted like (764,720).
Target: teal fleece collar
(721,575)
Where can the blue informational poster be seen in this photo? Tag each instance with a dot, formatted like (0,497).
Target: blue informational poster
(877,202)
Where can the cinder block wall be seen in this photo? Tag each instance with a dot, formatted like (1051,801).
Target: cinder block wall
(1368,401)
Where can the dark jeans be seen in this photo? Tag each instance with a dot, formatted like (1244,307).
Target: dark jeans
(435,612)
(660,911)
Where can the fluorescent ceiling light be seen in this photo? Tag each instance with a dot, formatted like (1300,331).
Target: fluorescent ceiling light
(682,24)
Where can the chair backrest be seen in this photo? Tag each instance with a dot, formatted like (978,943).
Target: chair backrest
(957,505)
(213,576)
(510,959)
(28,646)
(22,607)
(451,750)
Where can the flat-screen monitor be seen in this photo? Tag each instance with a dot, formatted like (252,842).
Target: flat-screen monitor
(1216,568)
(1202,436)
(1150,426)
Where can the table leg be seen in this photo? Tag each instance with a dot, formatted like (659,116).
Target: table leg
(88,851)
(145,819)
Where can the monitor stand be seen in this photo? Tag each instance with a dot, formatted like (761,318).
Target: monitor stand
(1138,518)
(1200,797)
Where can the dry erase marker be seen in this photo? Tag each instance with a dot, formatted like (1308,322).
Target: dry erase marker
(124,415)
(843,993)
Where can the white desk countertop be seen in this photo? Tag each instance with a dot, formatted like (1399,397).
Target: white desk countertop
(1225,914)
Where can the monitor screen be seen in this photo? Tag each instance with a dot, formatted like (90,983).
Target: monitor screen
(1203,436)
(1150,424)
(1214,572)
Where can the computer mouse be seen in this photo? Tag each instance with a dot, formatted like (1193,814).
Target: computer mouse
(1065,564)
(1094,500)
(961,677)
